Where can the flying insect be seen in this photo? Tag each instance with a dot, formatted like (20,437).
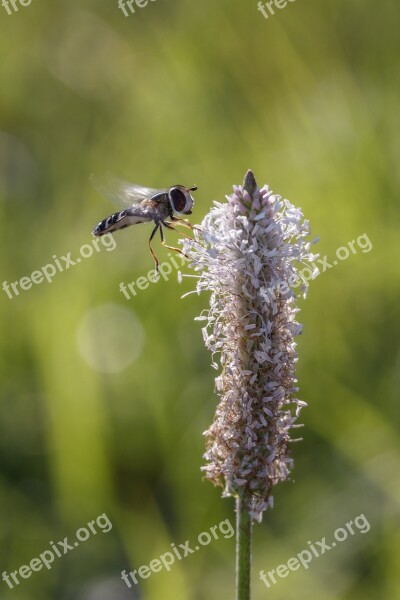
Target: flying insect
(165,207)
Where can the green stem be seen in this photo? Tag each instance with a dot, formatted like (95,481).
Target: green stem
(243,549)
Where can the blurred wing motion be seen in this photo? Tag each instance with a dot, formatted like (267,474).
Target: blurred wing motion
(123,193)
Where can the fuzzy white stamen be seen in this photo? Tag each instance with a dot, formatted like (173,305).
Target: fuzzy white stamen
(251,254)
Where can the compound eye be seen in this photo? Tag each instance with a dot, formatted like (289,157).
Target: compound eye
(178,200)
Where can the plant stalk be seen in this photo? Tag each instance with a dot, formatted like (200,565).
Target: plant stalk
(243,548)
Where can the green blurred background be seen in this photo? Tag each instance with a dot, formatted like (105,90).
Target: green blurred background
(104,399)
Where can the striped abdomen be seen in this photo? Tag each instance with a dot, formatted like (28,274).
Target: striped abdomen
(121,219)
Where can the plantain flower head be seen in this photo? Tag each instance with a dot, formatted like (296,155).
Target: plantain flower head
(252,254)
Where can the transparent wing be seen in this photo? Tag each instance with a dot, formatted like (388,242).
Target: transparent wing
(122,193)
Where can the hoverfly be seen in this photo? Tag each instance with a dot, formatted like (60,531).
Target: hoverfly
(145,204)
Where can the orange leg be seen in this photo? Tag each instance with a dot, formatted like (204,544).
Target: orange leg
(185,223)
(150,247)
(169,226)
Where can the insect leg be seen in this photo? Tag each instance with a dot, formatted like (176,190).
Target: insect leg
(163,240)
(185,223)
(151,249)
(170,225)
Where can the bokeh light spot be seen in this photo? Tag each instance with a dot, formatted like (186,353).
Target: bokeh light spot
(110,338)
